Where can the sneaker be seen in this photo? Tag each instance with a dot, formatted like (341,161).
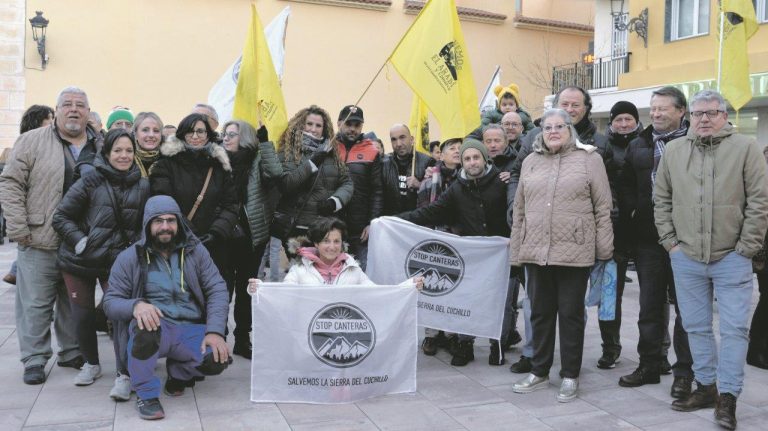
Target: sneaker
(510,340)
(530,383)
(121,391)
(465,352)
(497,354)
(608,360)
(705,396)
(77,363)
(522,366)
(429,346)
(643,375)
(569,388)
(725,411)
(175,387)
(681,387)
(34,375)
(666,367)
(150,409)
(88,374)
(9,278)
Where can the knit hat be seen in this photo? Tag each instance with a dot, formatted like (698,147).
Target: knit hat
(119,114)
(473,143)
(623,107)
(512,89)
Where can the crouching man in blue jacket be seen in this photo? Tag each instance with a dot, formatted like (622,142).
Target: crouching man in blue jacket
(169,301)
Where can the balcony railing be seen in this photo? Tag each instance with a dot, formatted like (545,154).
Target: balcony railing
(603,73)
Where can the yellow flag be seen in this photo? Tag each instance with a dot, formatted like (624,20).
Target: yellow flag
(419,125)
(432,58)
(258,95)
(739,25)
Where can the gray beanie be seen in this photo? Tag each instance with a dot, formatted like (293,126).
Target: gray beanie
(473,143)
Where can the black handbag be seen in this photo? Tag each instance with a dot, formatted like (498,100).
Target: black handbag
(282,223)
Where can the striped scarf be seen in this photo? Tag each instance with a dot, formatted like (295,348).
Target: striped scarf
(660,143)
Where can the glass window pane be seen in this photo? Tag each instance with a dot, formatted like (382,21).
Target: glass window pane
(703,17)
(685,18)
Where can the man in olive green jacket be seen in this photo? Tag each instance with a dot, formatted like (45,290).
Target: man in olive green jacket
(711,211)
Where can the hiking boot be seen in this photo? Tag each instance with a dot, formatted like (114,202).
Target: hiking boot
(497,354)
(10,278)
(643,375)
(441,341)
(465,352)
(34,375)
(569,388)
(705,396)
(608,360)
(77,363)
(121,391)
(725,411)
(175,387)
(681,387)
(243,348)
(530,383)
(522,366)
(452,344)
(150,409)
(429,346)
(666,367)
(510,340)
(88,374)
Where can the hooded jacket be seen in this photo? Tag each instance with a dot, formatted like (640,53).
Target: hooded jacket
(180,173)
(711,195)
(562,213)
(471,207)
(128,276)
(365,169)
(106,206)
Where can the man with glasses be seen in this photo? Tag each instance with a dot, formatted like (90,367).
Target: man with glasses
(636,235)
(174,303)
(513,127)
(711,211)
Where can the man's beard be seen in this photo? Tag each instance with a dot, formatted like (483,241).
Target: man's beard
(159,245)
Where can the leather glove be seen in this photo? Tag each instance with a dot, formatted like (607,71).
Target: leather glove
(262,134)
(326,207)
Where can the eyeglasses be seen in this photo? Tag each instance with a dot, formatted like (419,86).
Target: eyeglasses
(230,135)
(511,124)
(159,221)
(712,113)
(198,132)
(558,128)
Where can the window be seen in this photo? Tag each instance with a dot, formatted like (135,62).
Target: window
(689,18)
(761,8)
(619,37)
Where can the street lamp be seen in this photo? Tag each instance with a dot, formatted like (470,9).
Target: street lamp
(638,24)
(39,24)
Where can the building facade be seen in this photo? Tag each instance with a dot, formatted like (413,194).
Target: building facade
(165,55)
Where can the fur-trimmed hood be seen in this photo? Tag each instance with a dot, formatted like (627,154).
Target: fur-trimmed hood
(173,146)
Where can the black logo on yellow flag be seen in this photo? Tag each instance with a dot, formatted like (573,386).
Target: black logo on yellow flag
(446,64)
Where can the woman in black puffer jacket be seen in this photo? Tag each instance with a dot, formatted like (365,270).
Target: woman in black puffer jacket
(97,219)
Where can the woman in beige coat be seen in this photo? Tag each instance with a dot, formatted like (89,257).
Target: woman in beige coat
(561,226)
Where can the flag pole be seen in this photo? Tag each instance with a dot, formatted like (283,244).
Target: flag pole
(720,50)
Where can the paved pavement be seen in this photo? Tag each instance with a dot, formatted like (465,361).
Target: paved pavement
(475,397)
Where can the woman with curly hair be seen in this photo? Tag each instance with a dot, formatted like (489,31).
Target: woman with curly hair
(315,181)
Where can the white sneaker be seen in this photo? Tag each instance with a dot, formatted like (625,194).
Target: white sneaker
(88,374)
(121,391)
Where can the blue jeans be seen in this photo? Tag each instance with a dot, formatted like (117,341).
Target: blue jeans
(730,280)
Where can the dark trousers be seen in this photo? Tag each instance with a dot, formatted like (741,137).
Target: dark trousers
(509,322)
(359,250)
(657,287)
(609,329)
(82,293)
(557,293)
(244,261)
(758,331)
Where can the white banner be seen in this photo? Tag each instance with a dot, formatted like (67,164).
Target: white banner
(488,102)
(222,94)
(465,278)
(325,344)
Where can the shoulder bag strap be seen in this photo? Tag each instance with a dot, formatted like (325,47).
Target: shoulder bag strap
(199,199)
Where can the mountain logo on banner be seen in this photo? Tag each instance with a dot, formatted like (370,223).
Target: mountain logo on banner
(341,335)
(439,263)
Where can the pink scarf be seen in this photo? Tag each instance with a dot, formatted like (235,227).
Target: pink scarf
(328,272)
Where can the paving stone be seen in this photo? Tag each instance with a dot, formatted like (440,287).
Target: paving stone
(593,421)
(266,417)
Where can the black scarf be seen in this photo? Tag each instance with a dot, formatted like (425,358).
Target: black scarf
(311,144)
(585,128)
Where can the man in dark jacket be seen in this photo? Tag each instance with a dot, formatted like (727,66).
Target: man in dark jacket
(364,163)
(624,126)
(470,207)
(167,291)
(402,177)
(578,104)
(637,234)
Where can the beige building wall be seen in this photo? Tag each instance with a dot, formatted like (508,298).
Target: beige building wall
(165,55)
(12,82)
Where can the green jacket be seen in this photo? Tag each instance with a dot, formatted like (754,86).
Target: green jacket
(711,195)
(266,164)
